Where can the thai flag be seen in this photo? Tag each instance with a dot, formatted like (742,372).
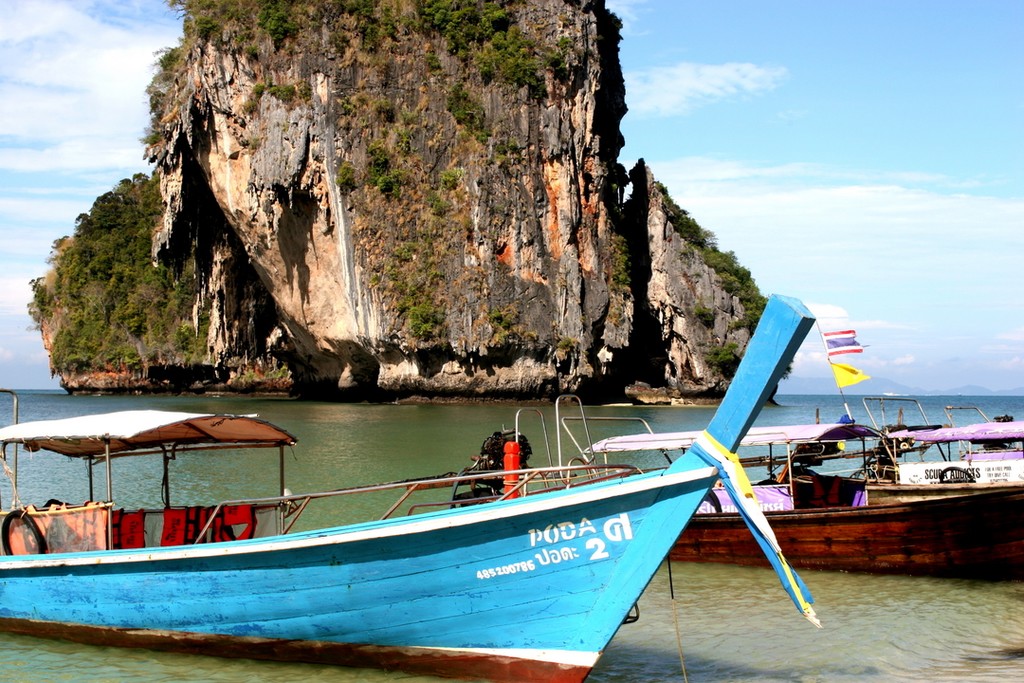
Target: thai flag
(843,341)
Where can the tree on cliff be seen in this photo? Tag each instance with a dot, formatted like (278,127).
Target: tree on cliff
(108,307)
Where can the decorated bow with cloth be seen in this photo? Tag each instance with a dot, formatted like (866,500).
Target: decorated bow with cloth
(764,359)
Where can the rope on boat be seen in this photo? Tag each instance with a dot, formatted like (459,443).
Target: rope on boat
(15,498)
(675,619)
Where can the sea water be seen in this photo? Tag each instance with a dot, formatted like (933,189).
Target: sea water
(697,622)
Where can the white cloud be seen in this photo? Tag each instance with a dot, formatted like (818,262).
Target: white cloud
(709,170)
(1014,364)
(39,207)
(627,11)
(928,277)
(73,75)
(72,84)
(1014,335)
(680,88)
(82,153)
(829,316)
(894,228)
(15,293)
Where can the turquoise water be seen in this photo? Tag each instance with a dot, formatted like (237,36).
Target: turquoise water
(724,624)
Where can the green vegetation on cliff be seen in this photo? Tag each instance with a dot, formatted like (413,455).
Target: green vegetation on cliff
(481,32)
(736,279)
(108,306)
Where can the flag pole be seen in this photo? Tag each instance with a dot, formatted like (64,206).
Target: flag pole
(828,357)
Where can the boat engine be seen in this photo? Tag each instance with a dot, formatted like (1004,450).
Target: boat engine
(492,450)
(492,459)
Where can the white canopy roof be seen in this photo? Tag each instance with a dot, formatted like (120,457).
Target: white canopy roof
(132,430)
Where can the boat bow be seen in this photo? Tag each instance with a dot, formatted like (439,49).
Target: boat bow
(768,356)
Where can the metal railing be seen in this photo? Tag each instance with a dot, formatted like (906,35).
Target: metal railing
(528,482)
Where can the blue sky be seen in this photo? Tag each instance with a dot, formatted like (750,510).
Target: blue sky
(73,75)
(866,157)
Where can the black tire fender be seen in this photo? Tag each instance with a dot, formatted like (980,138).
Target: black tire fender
(29,523)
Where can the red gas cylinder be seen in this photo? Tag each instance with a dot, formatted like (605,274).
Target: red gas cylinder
(512,463)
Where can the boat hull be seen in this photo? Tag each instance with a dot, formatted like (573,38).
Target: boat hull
(467,665)
(971,536)
(879,494)
(509,592)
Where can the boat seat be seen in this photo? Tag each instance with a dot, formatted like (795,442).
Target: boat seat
(813,490)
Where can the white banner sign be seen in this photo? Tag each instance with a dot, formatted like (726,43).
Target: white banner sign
(980,471)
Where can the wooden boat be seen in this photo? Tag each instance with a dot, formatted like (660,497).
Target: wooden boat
(972,536)
(831,521)
(530,587)
(952,460)
(975,458)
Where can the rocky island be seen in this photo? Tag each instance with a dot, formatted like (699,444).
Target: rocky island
(382,200)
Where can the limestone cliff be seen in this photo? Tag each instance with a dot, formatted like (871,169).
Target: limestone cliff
(431,210)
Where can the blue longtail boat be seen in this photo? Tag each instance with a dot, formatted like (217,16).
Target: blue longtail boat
(529,586)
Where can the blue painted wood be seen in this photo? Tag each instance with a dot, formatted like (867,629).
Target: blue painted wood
(782,328)
(427,588)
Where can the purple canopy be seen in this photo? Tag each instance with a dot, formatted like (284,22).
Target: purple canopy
(982,431)
(757,436)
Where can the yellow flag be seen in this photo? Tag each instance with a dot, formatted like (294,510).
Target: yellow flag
(847,375)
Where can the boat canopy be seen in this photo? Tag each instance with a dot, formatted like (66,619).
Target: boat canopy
(975,433)
(756,436)
(134,430)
